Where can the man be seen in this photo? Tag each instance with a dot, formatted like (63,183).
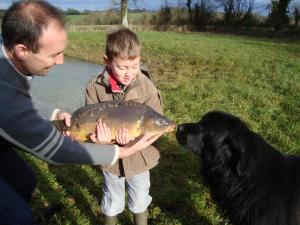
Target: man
(34,40)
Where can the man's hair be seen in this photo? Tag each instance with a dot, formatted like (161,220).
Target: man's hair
(24,22)
(122,43)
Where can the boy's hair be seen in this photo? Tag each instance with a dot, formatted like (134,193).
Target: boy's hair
(24,22)
(122,43)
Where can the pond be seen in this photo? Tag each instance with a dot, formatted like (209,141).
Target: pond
(64,86)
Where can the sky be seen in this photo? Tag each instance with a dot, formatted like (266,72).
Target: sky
(107,4)
(96,4)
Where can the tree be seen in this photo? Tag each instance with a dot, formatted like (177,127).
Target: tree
(237,12)
(296,14)
(278,17)
(203,13)
(165,15)
(189,6)
(243,12)
(180,11)
(124,10)
(71,11)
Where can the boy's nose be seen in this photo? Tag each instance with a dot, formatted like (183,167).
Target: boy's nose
(128,73)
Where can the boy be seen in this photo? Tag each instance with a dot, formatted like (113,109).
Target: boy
(122,79)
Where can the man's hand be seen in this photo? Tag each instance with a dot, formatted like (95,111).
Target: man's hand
(138,145)
(66,117)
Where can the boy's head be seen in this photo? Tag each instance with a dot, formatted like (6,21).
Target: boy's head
(123,51)
(123,44)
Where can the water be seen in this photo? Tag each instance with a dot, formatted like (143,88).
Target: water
(64,86)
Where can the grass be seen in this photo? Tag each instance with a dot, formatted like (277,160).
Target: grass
(255,79)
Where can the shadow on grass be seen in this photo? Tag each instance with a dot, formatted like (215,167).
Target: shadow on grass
(79,186)
(176,187)
(50,196)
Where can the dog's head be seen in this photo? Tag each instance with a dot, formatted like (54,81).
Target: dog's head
(219,138)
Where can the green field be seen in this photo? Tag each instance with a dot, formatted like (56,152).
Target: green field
(255,79)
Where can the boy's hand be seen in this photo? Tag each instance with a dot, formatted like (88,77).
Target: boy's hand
(102,135)
(123,137)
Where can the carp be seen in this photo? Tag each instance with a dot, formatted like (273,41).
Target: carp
(136,117)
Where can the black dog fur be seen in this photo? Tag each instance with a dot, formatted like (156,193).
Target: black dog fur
(251,182)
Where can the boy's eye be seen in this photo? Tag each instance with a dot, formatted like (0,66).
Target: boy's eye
(125,68)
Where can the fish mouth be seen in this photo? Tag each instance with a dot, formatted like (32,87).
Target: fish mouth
(171,127)
(165,129)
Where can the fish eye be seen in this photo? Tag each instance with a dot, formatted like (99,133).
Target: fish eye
(158,122)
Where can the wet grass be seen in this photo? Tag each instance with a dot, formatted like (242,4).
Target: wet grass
(255,79)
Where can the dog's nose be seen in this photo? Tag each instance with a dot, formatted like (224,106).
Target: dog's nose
(179,128)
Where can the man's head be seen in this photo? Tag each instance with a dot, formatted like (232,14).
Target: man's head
(123,51)
(34,36)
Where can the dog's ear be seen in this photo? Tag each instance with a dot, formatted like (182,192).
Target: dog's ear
(238,159)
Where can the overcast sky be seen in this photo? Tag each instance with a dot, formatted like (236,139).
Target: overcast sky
(107,4)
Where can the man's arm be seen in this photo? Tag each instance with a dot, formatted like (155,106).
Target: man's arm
(136,146)
(28,131)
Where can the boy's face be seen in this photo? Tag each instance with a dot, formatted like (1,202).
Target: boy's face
(125,71)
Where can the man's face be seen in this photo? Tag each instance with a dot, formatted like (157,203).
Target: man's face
(51,52)
(125,71)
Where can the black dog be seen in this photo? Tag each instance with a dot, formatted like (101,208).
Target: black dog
(250,181)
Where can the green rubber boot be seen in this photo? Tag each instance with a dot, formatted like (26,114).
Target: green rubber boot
(110,220)
(140,218)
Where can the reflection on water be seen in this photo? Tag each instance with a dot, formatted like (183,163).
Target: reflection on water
(64,86)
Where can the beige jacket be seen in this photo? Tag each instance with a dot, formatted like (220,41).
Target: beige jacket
(142,90)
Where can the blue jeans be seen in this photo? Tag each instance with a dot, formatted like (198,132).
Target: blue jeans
(113,200)
(17,183)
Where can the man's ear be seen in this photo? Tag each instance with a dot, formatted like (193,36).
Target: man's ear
(21,51)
